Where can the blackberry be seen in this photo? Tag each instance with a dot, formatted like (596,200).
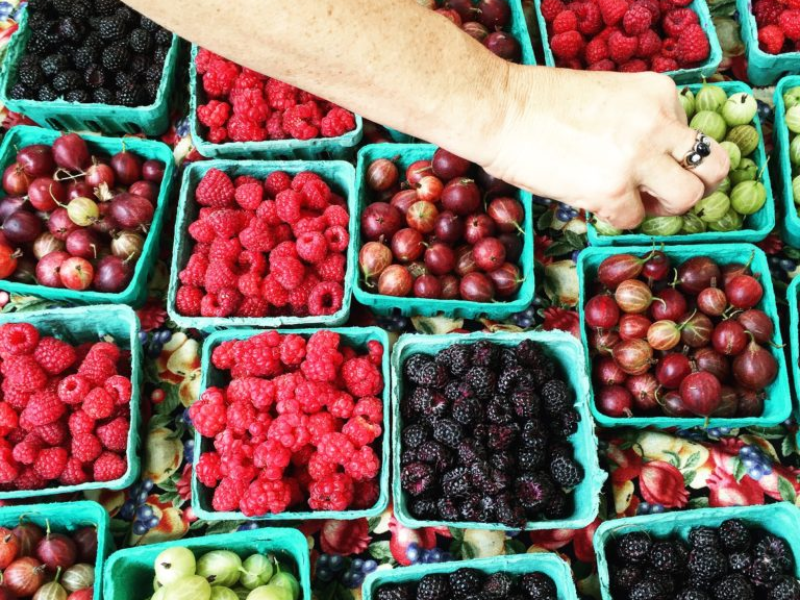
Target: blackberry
(38,43)
(448,509)
(138,64)
(434,586)
(126,15)
(502,437)
(734,535)
(765,570)
(786,589)
(503,461)
(408,456)
(699,583)
(66,81)
(81,96)
(480,477)
(93,40)
(509,513)
(150,92)
(703,537)
(414,435)
(62,6)
(559,505)
(149,25)
(624,578)
(485,354)
(707,563)
(53,64)
(434,453)
(568,424)
(417,478)
(649,589)
(667,556)
(533,432)
(111,28)
(555,398)
(46,93)
(95,76)
(103,96)
(633,548)
(20,92)
(153,73)
(531,459)
(529,353)
(482,380)
(32,76)
(538,586)
(566,472)
(123,80)
(501,480)
(665,582)
(36,21)
(455,483)
(106,7)
(470,451)
(85,56)
(525,402)
(560,450)
(457,390)
(448,432)
(424,509)
(499,411)
(413,367)
(80,10)
(465,582)
(438,406)
(469,508)
(419,401)
(163,38)
(467,411)
(533,490)
(498,585)
(740,562)
(509,358)
(115,57)
(432,375)
(394,592)
(70,29)
(52,36)
(773,546)
(692,594)
(456,358)
(733,587)
(508,380)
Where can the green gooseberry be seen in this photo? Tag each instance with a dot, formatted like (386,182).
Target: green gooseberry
(604,228)
(748,197)
(692,224)
(710,97)
(713,207)
(791,97)
(734,153)
(746,137)
(739,109)
(711,123)
(747,171)
(794,151)
(793,119)
(725,186)
(657,226)
(732,221)
(686,97)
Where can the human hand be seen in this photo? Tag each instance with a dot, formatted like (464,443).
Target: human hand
(609,143)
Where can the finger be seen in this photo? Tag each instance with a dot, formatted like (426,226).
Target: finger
(626,212)
(714,167)
(676,189)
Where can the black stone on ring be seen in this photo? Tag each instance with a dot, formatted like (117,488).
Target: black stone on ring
(699,151)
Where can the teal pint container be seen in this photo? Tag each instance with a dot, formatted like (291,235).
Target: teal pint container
(763,69)
(566,350)
(790,225)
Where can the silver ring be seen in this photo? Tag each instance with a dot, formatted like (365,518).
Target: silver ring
(699,151)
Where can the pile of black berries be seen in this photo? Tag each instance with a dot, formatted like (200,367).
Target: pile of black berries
(485,435)
(732,562)
(96,51)
(472,584)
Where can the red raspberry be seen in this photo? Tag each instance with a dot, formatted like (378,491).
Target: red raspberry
(268,212)
(334,492)
(214,114)
(264,497)
(120,389)
(258,236)
(649,44)
(789,22)
(291,430)
(309,224)
(637,20)
(317,195)
(220,275)
(109,467)
(362,377)
(337,238)
(365,494)
(274,292)
(663,64)
(298,297)
(272,458)
(208,415)
(242,129)
(767,12)
(322,366)
(312,247)
(250,104)
(675,21)
(332,268)
(289,272)
(567,45)
(26,451)
(771,39)
(280,95)
(360,431)
(337,215)
(289,205)
(240,415)
(195,272)
(261,392)
(337,122)
(277,182)
(669,48)
(284,250)
(50,463)
(228,494)
(217,135)
(220,77)
(29,479)
(252,262)
(15,397)
(249,195)
(298,121)
(363,465)
(596,50)
(693,45)
(52,434)
(376,351)
(335,447)
(226,223)
(97,368)
(566,20)
(237,462)
(590,21)
(223,356)
(622,48)
(256,358)
(249,285)
(275,127)
(293,350)
(188,300)
(225,251)
(551,9)
(73,473)
(633,66)
(653,7)
(114,435)
(17,339)
(370,408)
(326,298)
(612,10)
(9,469)
(79,422)
(322,423)
(43,408)
(215,189)
(208,471)
(202,231)
(99,404)
(320,468)
(24,373)
(259,428)
(286,390)
(324,340)
(203,60)
(105,349)
(86,447)
(8,419)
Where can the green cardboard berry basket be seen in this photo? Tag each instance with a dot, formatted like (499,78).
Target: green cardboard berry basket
(790,225)
(136,292)
(793,297)
(763,69)
(291,149)
(337,174)
(707,69)
(66,517)
(566,350)
(519,564)
(756,226)
(129,573)
(781,519)
(403,155)
(92,324)
(777,405)
(59,114)
(355,337)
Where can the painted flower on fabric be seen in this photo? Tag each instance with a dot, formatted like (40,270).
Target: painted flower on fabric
(552,539)
(403,537)
(179,357)
(562,319)
(662,483)
(726,491)
(152,315)
(344,537)
(582,543)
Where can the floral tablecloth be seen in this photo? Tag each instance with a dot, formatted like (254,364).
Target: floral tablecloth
(650,471)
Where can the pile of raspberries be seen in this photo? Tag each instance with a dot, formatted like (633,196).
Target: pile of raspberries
(244,106)
(778,24)
(65,411)
(298,426)
(630,37)
(265,248)
(485,435)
